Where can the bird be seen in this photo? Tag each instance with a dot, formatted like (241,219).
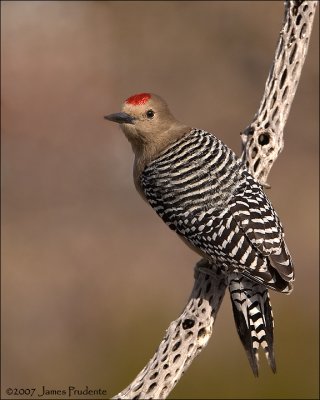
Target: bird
(205,193)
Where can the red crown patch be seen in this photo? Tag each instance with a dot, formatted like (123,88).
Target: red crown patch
(138,99)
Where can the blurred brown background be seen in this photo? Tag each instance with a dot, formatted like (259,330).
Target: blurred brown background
(91,277)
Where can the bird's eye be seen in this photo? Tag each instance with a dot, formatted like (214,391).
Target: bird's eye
(150,114)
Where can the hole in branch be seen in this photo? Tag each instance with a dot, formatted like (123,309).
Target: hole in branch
(275,112)
(201,333)
(187,323)
(264,139)
(153,376)
(188,335)
(298,19)
(151,387)
(256,164)
(273,100)
(190,347)
(164,358)
(254,152)
(270,150)
(295,68)
(293,53)
(297,4)
(272,85)
(283,78)
(176,358)
(177,334)
(167,377)
(303,30)
(265,115)
(165,349)
(163,392)
(284,94)
(176,346)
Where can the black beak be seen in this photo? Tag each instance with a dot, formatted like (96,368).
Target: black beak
(120,118)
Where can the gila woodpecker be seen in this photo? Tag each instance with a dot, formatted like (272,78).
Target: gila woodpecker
(203,192)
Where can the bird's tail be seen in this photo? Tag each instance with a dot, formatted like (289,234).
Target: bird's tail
(253,317)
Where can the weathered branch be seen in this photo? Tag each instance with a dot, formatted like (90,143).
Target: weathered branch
(263,138)
(184,339)
(262,143)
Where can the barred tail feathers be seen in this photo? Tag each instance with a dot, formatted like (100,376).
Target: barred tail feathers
(253,317)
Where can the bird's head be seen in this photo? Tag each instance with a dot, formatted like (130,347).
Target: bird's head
(148,124)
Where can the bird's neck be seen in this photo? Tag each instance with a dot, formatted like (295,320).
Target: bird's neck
(149,151)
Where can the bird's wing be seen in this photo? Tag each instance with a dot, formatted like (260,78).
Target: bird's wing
(255,215)
(221,237)
(260,223)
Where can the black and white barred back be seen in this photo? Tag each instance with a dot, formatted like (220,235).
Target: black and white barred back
(204,192)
